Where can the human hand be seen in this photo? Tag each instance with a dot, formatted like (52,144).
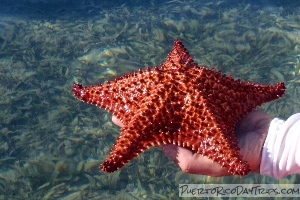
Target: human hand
(251,132)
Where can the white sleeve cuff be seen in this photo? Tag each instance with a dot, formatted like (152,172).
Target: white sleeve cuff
(281,150)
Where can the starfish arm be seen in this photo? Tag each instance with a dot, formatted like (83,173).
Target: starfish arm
(128,146)
(131,144)
(232,98)
(223,148)
(111,96)
(122,96)
(147,128)
(179,58)
(243,98)
(205,133)
(218,148)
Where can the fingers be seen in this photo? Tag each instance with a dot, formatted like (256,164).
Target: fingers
(194,163)
(117,121)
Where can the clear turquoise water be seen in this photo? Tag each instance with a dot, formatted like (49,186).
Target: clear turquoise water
(51,144)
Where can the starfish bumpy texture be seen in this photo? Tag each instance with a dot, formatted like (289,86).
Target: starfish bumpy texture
(178,103)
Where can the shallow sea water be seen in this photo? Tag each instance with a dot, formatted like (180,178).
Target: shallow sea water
(51,144)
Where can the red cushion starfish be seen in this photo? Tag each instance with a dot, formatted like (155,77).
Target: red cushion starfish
(178,103)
